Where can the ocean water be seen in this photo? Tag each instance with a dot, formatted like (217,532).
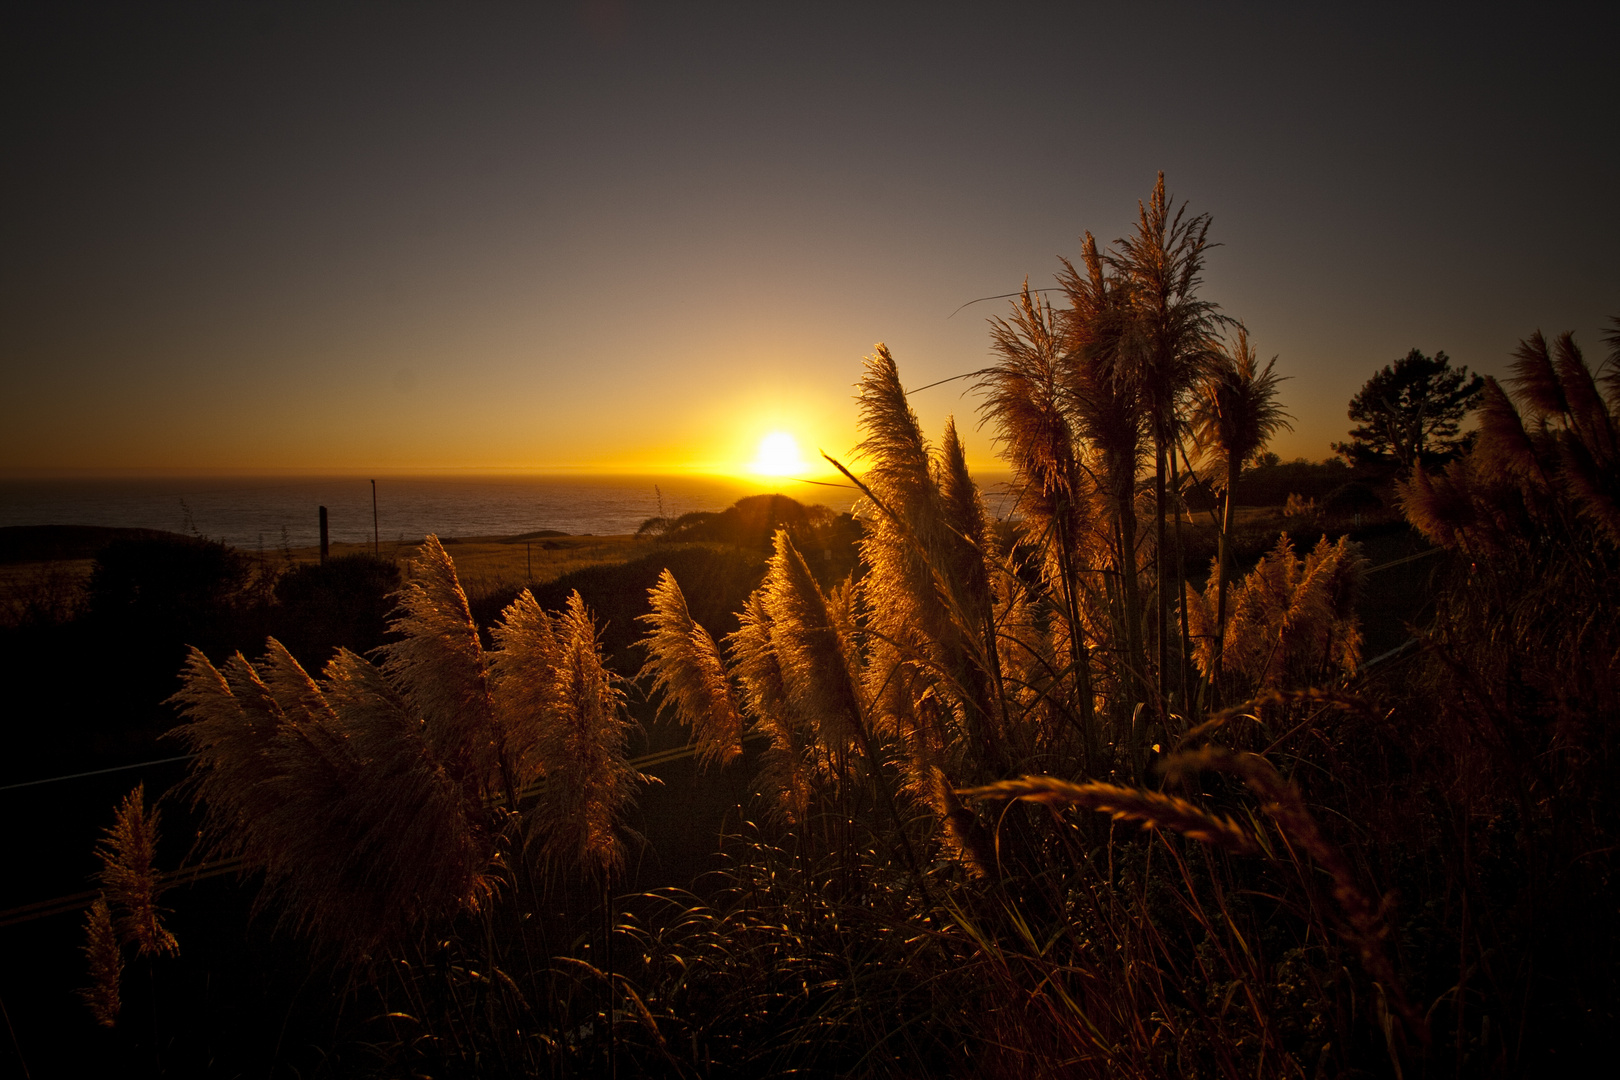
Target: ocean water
(267,512)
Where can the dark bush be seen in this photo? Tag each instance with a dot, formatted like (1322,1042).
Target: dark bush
(343,602)
(176,589)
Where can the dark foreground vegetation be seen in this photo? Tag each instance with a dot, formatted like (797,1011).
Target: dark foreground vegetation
(1034,797)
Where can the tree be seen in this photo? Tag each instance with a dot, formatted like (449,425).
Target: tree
(1411,411)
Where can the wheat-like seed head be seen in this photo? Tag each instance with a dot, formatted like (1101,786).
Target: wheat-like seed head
(1151,809)
(1282,802)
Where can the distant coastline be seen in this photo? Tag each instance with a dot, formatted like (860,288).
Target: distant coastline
(269,512)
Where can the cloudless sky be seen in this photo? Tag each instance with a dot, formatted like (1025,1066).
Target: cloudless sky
(350,237)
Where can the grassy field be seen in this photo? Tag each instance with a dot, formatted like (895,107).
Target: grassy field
(488,564)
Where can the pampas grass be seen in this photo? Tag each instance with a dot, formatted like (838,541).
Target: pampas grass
(917,901)
(126,912)
(128,876)
(438,664)
(375,800)
(684,665)
(589,781)
(1293,620)
(361,831)
(786,764)
(106,960)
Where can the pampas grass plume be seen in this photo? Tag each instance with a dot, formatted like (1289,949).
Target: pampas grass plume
(590,781)
(438,662)
(106,961)
(686,669)
(814,658)
(128,878)
(765,698)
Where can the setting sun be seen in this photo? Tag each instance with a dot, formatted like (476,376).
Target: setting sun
(778,456)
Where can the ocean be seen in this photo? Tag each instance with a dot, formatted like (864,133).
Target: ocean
(267,513)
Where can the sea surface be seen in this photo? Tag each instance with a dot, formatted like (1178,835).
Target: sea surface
(268,513)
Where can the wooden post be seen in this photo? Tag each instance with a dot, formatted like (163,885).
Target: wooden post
(376,536)
(325,547)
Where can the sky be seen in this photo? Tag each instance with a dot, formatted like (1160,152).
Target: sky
(643,237)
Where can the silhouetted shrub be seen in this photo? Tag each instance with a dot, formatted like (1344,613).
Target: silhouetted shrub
(1270,485)
(342,602)
(165,583)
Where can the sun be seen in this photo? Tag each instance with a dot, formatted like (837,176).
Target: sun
(778,455)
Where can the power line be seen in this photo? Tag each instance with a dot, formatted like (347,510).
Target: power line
(96,772)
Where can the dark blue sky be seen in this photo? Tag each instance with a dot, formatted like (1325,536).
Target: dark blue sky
(424,236)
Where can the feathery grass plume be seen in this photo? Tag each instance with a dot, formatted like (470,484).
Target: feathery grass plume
(128,879)
(687,671)
(1520,478)
(411,846)
(1169,338)
(1504,449)
(1592,486)
(1234,415)
(1032,406)
(523,682)
(1535,382)
(106,959)
(590,783)
(906,531)
(965,839)
(1443,506)
(1024,398)
(764,696)
(819,667)
(334,794)
(1588,415)
(923,615)
(1282,802)
(1030,669)
(1152,809)
(1609,374)
(230,736)
(1292,619)
(1106,399)
(966,538)
(1588,460)
(898,470)
(908,614)
(438,663)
